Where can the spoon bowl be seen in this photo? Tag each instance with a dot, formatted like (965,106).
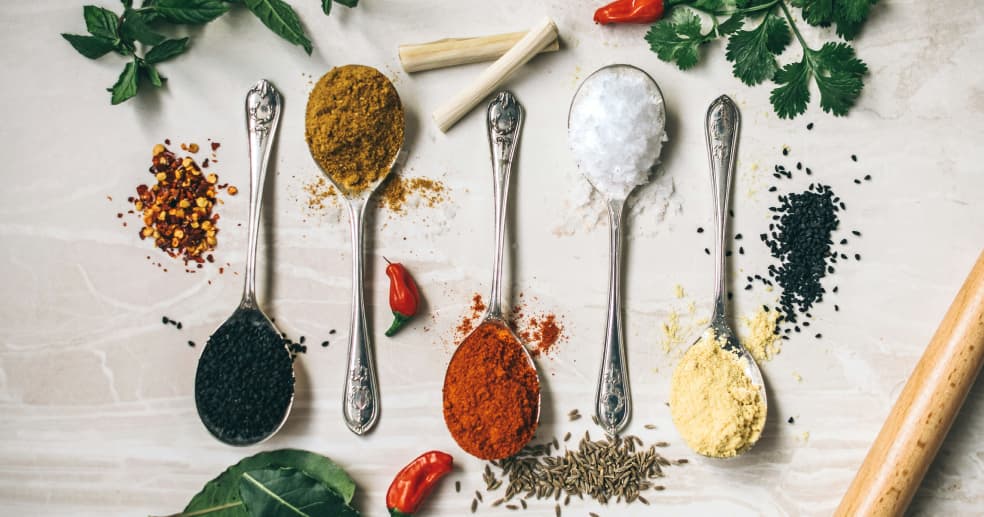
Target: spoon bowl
(256,389)
(595,133)
(360,403)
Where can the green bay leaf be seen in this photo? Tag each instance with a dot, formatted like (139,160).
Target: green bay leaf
(287,492)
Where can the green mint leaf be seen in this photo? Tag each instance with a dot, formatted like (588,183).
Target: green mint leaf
(91,47)
(792,95)
(326,6)
(731,25)
(126,86)
(348,3)
(166,50)
(838,74)
(150,71)
(192,12)
(136,27)
(281,19)
(101,22)
(753,52)
(127,4)
(677,39)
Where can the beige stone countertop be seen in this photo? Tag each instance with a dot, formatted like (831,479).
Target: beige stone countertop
(97,414)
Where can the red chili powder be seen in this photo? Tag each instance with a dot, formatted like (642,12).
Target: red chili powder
(541,332)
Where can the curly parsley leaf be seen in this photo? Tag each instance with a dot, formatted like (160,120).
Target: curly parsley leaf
(126,86)
(91,47)
(191,12)
(166,50)
(835,69)
(677,39)
(754,51)
(281,19)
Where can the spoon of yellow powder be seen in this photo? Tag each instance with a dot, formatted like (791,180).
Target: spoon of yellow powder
(354,129)
(717,395)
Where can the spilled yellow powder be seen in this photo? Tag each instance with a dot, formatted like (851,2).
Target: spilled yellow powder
(678,291)
(714,405)
(760,337)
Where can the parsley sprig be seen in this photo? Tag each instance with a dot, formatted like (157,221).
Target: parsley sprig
(770,29)
(121,33)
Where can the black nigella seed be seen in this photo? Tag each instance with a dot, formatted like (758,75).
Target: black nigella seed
(707,251)
(808,171)
(791,420)
(837,308)
(857,181)
(818,336)
(730,295)
(324,343)
(165,320)
(179,325)
(765,308)
(809,126)
(731,212)
(738,237)
(330,332)
(799,166)
(867,177)
(301,341)
(835,288)
(854,157)
(773,189)
(741,250)
(856,233)
(843,241)
(748,287)
(857,256)
(727,253)
(245,380)
(700,229)
(191,344)
(785,151)
(806,323)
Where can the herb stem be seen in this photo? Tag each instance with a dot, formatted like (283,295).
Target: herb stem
(789,17)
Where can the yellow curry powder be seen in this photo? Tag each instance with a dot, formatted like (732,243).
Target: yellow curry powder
(354,126)
(715,407)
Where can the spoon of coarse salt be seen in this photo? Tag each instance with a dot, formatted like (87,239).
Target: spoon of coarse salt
(616,130)
(717,395)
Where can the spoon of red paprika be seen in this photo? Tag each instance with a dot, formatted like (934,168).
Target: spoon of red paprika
(491,388)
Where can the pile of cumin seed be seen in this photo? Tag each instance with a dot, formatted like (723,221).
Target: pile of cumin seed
(612,469)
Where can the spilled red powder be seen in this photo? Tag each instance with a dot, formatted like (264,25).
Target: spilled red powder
(541,332)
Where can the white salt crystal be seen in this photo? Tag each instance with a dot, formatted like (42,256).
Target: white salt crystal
(616,129)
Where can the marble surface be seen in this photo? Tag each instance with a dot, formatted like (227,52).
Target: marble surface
(96,409)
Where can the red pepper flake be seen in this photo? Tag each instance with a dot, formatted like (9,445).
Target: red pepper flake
(215,146)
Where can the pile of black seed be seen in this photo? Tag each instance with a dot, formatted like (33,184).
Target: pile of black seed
(800,239)
(245,380)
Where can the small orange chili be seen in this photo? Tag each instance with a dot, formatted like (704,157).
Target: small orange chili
(403,295)
(630,11)
(415,482)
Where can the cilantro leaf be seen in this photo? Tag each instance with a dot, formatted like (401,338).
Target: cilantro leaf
(91,47)
(838,74)
(754,52)
(731,25)
(678,38)
(793,93)
(281,19)
(192,12)
(126,86)
(136,27)
(101,22)
(166,50)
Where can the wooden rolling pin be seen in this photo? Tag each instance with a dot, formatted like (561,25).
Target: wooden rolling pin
(924,411)
(460,51)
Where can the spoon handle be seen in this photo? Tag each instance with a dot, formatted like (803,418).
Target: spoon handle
(263,103)
(613,402)
(360,404)
(721,125)
(505,120)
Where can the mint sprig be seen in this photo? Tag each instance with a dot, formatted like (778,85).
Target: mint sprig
(145,30)
(834,68)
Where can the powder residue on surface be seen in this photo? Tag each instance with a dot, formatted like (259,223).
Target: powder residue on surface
(475,312)
(541,332)
(761,337)
(714,405)
(354,126)
(397,194)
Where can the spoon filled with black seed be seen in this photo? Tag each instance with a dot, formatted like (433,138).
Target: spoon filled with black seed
(244,386)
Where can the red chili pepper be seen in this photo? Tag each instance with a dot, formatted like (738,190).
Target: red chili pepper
(412,484)
(630,11)
(404,296)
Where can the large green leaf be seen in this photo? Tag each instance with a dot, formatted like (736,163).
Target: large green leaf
(91,47)
(126,86)
(220,497)
(286,492)
(101,22)
(280,17)
(193,12)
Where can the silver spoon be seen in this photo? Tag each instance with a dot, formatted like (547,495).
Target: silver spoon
(504,122)
(722,126)
(613,400)
(263,103)
(360,396)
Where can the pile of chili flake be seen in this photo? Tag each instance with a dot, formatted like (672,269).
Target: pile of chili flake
(177,210)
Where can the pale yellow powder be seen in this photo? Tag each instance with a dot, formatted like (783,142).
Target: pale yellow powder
(678,291)
(760,336)
(714,405)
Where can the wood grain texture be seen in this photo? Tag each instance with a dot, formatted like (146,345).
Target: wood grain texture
(925,410)
(461,51)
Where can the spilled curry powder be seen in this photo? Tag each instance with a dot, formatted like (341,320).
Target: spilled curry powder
(491,394)
(354,126)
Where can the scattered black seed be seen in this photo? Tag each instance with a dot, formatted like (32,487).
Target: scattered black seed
(741,250)
(731,212)
(857,181)
(835,288)
(856,233)
(854,157)
(867,177)
(837,308)
(799,166)
(165,320)
(301,341)
(765,308)
(808,171)
(244,381)
(818,336)
(324,344)
(191,344)
(457,486)
(700,229)
(738,237)
(707,251)
(809,126)
(727,253)
(857,256)
(785,151)
(806,323)
(791,420)
(773,189)
(843,241)
(729,295)
(332,331)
